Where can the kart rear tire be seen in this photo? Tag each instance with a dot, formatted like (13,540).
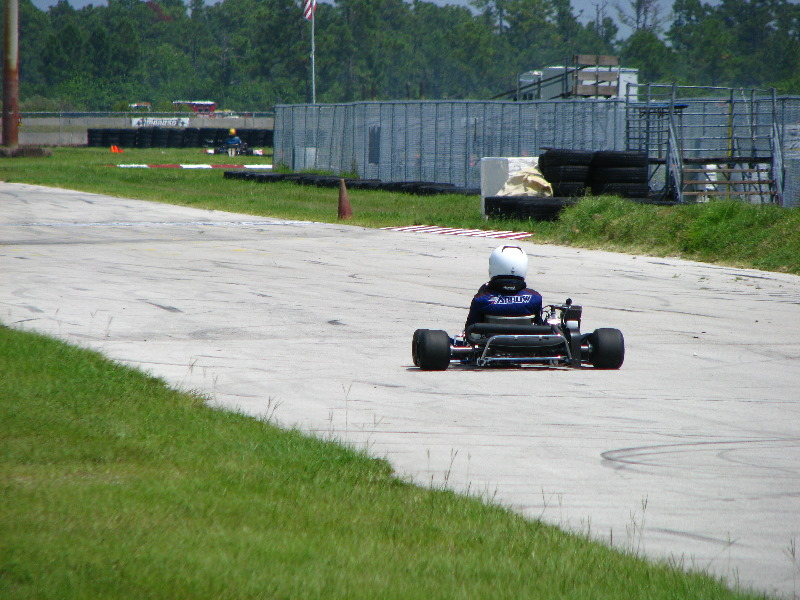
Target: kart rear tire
(414,345)
(433,350)
(608,348)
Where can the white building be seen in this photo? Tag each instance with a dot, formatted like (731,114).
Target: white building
(584,82)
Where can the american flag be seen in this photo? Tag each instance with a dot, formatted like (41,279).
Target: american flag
(309,8)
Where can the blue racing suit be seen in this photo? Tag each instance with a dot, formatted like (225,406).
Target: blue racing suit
(506,296)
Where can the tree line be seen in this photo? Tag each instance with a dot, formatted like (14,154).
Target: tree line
(253,54)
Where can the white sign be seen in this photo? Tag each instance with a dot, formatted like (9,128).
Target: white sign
(160,122)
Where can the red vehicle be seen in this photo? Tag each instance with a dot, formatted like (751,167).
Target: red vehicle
(199,107)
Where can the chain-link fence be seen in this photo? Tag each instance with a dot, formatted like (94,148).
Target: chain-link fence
(437,141)
(443,141)
(789,123)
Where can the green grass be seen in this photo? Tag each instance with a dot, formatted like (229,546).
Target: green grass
(112,485)
(734,233)
(87,169)
(728,232)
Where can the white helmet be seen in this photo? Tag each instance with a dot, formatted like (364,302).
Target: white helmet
(508,260)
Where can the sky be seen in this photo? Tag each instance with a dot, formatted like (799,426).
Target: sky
(585,8)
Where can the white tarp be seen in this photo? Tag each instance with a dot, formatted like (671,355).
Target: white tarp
(526,182)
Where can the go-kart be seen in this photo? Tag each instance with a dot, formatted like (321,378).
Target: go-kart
(236,150)
(519,341)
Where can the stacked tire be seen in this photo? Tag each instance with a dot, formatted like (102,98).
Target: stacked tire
(536,208)
(144,138)
(620,173)
(567,171)
(220,136)
(191,137)
(174,138)
(127,138)
(251,137)
(160,137)
(208,137)
(94,138)
(112,137)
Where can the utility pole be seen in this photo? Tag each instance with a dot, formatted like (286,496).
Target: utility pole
(11,75)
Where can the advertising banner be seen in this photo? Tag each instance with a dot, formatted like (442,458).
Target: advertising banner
(160,122)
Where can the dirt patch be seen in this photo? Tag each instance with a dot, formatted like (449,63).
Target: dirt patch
(25,152)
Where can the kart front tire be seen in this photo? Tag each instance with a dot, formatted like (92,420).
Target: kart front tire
(433,350)
(608,348)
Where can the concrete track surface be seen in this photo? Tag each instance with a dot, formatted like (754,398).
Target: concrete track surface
(690,452)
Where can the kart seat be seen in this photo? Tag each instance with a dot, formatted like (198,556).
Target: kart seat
(522,320)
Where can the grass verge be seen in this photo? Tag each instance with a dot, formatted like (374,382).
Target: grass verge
(728,232)
(115,486)
(764,237)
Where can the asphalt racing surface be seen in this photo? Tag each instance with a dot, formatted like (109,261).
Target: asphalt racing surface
(690,452)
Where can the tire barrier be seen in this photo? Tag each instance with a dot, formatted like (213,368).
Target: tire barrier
(567,171)
(623,174)
(536,208)
(173,137)
(111,137)
(160,137)
(332,181)
(191,137)
(576,172)
(144,137)
(94,138)
(572,174)
(556,157)
(208,137)
(220,135)
(127,138)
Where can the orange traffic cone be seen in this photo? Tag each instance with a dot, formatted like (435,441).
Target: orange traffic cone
(117,150)
(345,212)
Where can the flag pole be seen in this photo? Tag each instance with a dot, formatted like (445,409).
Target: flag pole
(309,10)
(313,52)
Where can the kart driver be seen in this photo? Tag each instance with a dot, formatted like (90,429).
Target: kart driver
(233,139)
(506,294)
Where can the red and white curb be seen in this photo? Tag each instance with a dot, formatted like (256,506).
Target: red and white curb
(505,235)
(132,166)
